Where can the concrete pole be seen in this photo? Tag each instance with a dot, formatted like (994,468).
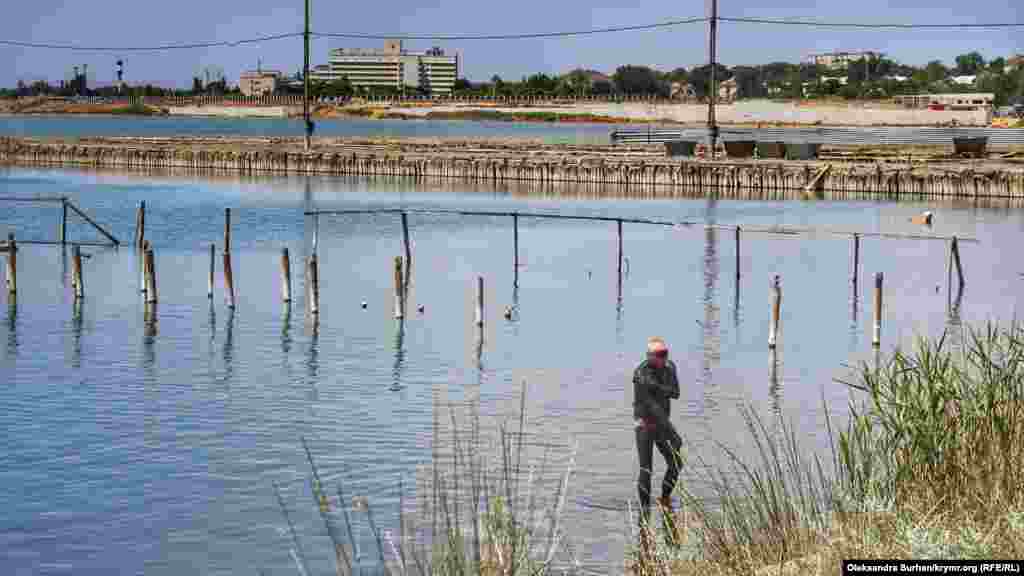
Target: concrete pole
(305,81)
(712,47)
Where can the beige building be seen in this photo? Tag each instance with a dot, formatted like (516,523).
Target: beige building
(432,70)
(951,101)
(258,82)
(841,59)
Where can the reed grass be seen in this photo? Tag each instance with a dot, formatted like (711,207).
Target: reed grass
(929,465)
(477,512)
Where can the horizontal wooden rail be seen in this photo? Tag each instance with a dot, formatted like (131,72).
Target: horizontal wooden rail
(782,230)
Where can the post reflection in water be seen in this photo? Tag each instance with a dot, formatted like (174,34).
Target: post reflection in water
(954,325)
(228,351)
(774,386)
(313,355)
(149,333)
(396,372)
(12,326)
(709,327)
(76,333)
(64,266)
(286,329)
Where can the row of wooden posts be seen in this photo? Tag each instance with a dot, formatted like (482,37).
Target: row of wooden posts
(403,270)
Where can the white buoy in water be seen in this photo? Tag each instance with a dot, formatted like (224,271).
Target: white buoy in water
(924,219)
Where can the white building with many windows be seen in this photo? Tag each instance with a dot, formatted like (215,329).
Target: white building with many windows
(432,71)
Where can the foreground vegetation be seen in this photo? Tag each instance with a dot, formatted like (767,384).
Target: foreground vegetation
(929,465)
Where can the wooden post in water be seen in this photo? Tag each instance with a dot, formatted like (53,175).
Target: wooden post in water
(314,285)
(405,240)
(229,281)
(286,276)
(619,223)
(63,221)
(140,224)
(150,268)
(737,254)
(209,278)
(515,250)
(399,297)
(12,265)
(876,336)
(773,324)
(479,301)
(76,272)
(955,249)
(856,260)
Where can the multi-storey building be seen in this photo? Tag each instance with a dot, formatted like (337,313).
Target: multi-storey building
(432,71)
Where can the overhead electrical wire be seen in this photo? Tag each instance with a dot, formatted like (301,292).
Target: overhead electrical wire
(189,46)
(522,36)
(814,23)
(517,36)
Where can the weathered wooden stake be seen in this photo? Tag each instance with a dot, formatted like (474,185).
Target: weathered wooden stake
(773,325)
(12,265)
(856,260)
(150,267)
(515,253)
(286,275)
(227,230)
(955,249)
(314,285)
(140,225)
(737,253)
(63,221)
(209,278)
(405,240)
(876,336)
(479,300)
(399,297)
(76,272)
(229,281)
(619,222)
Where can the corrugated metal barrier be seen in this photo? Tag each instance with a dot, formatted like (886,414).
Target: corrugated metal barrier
(823,135)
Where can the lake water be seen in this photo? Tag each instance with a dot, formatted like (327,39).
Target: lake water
(130,449)
(82,126)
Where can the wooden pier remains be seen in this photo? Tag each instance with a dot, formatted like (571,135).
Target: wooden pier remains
(653,174)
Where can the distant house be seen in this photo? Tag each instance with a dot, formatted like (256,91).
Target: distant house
(682,91)
(951,101)
(897,78)
(258,82)
(1014,62)
(727,90)
(841,59)
(964,80)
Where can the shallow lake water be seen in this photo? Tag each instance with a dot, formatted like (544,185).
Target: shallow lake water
(138,448)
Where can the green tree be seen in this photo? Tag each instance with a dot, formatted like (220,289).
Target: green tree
(632,79)
(935,71)
(970,63)
(577,82)
(701,77)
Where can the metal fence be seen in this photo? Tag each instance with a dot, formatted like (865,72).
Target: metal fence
(833,136)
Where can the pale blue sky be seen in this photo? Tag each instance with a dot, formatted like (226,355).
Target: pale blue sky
(127,23)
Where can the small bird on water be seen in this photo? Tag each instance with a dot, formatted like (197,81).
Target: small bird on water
(420,308)
(508,312)
(364,304)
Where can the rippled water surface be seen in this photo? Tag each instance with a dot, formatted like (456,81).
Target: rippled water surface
(135,448)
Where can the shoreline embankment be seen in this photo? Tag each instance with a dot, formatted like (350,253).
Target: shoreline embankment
(739,113)
(837,171)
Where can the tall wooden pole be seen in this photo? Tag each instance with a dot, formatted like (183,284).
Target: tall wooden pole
(76,272)
(876,336)
(773,323)
(12,265)
(63,221)
(713,85)
(305,81)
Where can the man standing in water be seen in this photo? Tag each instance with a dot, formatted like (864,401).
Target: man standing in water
(654,384)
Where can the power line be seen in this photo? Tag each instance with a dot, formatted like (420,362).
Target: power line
(226,43)
(868,25)
(522,36)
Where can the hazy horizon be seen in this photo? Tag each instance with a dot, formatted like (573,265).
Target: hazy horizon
(106,23)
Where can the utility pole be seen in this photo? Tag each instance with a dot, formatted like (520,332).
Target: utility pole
(712,41)
(305,81)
